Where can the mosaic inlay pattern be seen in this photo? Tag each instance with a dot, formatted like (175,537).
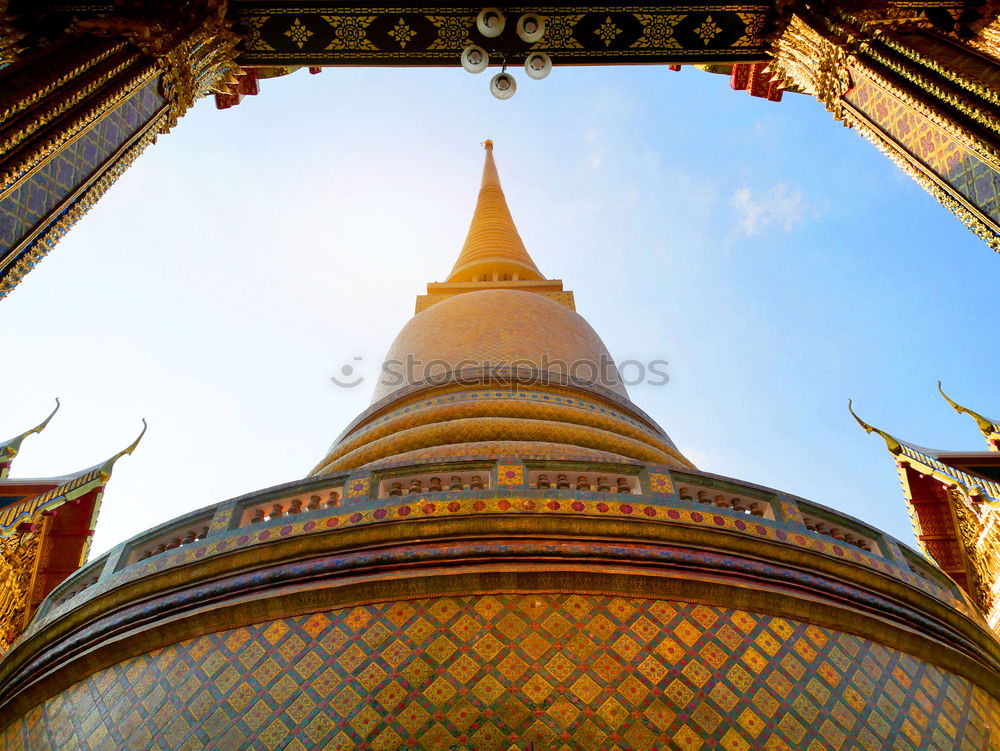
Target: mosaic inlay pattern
(358,488)
(540,397)
(660,483)
(499,671)
(454,504)
(510,474)
(930,144)
(424,506)
(541,451)
(23,207)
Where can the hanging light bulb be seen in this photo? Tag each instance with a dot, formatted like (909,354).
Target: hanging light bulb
(503,85)
(475,59)
(530,27)
(490,22)
(538,65)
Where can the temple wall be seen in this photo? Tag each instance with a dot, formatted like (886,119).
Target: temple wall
(559,671)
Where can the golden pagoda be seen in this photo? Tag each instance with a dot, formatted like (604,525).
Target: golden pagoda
(504,552)
(493,324)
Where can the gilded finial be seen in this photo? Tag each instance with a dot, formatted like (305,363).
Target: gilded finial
(9,449)
(488,144)
(44,423)
(131,446)
(106,467)
(989,428)
(891,443)
(957,407)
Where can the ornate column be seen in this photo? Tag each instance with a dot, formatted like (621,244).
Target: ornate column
(921,83)
(76,112)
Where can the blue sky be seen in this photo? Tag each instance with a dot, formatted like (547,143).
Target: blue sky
(773,257)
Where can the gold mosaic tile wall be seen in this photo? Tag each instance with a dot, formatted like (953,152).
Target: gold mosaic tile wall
(508,671)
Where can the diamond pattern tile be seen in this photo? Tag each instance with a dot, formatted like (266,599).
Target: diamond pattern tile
(28,204)
(503,671)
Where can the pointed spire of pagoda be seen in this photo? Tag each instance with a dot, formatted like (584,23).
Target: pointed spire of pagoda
(989,428)
(9,448)
(493,249)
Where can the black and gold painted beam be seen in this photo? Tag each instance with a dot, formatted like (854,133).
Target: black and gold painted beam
(431,34)
(332,34)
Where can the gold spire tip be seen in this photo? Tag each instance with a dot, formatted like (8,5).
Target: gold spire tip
(492,246)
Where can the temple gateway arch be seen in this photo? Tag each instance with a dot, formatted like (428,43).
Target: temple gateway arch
(85,87)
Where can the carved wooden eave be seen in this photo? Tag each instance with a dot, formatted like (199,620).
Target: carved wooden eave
(955,511)
(45,533)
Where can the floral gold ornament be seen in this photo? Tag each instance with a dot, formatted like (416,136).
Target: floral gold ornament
(298,33)
(708,30)
(608,31)
(402,33)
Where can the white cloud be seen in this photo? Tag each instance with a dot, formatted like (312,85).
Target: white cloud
(595,148)
(706,461)
(779,205)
